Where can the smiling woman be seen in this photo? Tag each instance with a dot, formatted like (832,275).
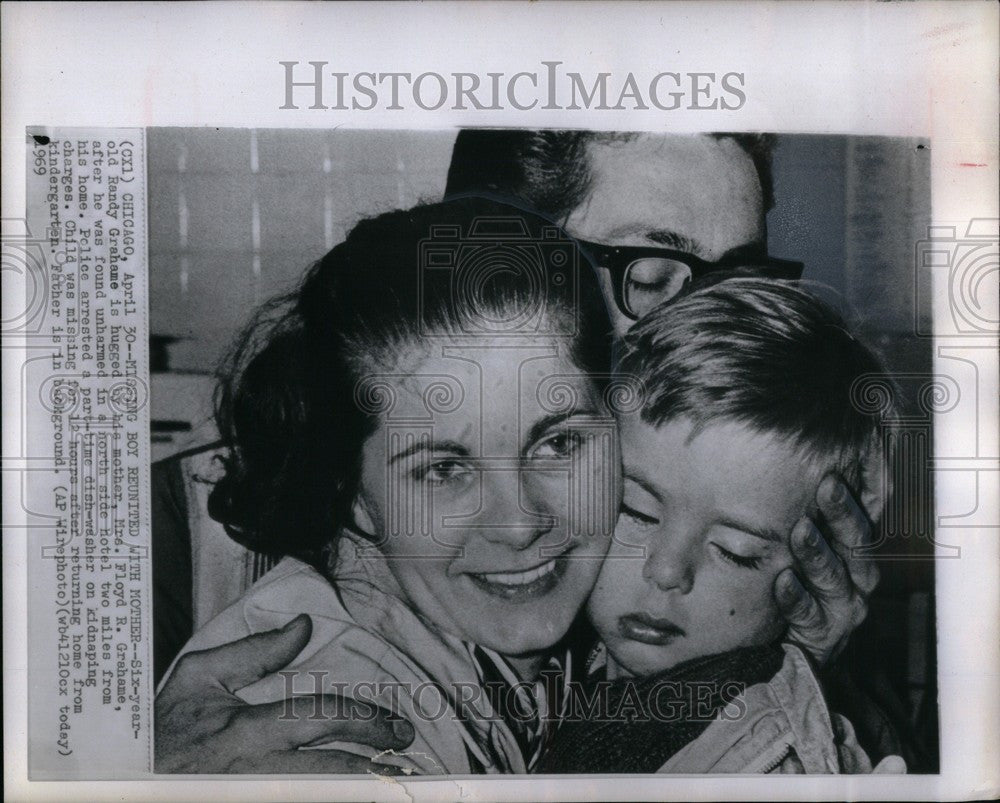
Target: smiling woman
(499,564)
(422,431)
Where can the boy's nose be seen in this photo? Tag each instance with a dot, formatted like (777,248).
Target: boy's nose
(670,565)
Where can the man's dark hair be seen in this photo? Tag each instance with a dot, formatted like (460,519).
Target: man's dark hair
(549,170)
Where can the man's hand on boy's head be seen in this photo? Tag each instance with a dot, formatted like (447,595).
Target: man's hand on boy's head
(826,595)
(203,727)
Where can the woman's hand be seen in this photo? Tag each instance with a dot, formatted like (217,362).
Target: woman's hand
(827,597)
(203,727)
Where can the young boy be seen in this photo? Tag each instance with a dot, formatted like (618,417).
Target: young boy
(749,403)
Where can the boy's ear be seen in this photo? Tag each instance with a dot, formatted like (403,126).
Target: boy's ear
(876,482)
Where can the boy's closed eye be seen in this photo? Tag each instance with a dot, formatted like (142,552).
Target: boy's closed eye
(641,503)
(638,516)
(743,561)
(741,549)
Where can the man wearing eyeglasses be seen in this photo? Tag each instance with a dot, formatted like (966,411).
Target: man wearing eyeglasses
(653,212)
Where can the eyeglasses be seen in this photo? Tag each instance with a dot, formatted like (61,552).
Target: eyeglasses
(643,277)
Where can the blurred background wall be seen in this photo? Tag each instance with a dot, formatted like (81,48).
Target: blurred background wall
(236,215)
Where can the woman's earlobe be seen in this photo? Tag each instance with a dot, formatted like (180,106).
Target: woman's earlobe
(361,519)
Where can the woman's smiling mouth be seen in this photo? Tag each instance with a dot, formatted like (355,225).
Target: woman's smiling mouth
(644,628)
(523,585)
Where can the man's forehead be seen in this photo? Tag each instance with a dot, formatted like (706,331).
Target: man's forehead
(700,194)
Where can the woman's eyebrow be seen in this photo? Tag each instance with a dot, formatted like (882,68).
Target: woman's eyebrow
(425,444)
(545,423)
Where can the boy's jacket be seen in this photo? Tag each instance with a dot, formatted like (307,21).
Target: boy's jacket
(785,727)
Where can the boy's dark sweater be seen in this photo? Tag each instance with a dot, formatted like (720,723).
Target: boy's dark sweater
(637,724)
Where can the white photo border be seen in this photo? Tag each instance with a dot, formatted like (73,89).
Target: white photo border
(915,69)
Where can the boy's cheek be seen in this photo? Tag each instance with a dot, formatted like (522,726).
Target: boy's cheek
(728,600)
(768,629)
(756,614)
(610,595)
(621,572)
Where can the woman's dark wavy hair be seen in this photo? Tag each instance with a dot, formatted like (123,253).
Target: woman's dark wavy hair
(286,403)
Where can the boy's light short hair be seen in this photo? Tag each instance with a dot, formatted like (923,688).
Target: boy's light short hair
(764,353)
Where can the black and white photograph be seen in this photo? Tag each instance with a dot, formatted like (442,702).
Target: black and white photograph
(569,470)
(501,401)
